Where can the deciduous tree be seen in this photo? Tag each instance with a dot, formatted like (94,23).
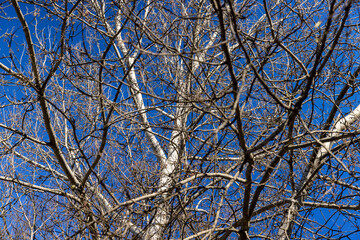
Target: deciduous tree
(196,119)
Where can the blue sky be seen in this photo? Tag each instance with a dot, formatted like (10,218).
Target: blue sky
(157,77)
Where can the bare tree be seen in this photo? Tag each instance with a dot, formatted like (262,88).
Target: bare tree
(178,119)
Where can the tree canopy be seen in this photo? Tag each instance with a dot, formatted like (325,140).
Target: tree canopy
(180,119)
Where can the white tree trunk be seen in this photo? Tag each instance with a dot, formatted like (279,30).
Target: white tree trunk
(305,183)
